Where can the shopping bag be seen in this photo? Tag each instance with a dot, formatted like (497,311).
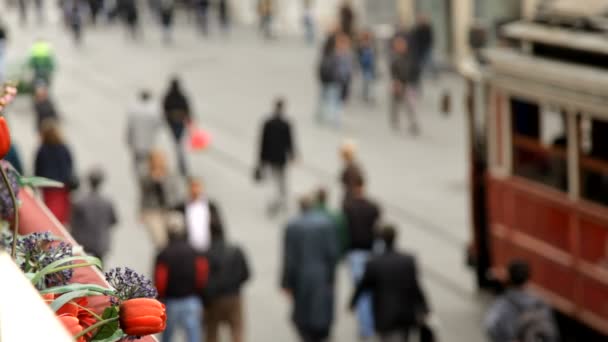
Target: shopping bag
(199,139)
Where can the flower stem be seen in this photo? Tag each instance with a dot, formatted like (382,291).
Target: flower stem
(15,210)
(95,326)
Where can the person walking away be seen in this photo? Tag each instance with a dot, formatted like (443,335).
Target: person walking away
(402,92)
(224,15)
(75,18)
(352,172)
(93,217)
(180,274)
(345,65)
(143,123)
(54,161)
(309,22)
(347,19)
(43,107)
(336,216)
(229,271)
(329,100)
(160,192)
(519,314)
(362,216)
(201,8)
(167,9)
(3,41)
(129,13)
(177,114)
(423,38)
(266,13)
(277,150)
(95,7)
(310,255)
(399,304)
(198,216)
(367,61)
(42,63)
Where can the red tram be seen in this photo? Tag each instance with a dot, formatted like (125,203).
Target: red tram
(540,164)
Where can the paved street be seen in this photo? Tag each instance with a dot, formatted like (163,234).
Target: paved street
(421,182)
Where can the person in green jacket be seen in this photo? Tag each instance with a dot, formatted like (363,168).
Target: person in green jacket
(336,216)
(41,62)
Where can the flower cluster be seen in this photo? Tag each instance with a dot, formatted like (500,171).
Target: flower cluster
(9,92)
(38,250)
(7,210)
(129,285)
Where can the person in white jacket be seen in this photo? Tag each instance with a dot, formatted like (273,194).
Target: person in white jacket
(143,123)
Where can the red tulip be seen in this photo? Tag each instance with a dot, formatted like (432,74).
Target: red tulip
(142,316)
(72,325)
(5,138)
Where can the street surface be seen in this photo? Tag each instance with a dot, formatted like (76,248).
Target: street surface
(232,82)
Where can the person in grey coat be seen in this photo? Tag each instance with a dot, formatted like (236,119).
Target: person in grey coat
(309,262)
(93,217)
(143,123)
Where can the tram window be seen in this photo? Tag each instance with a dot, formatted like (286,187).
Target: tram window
(539,144)
(594,162)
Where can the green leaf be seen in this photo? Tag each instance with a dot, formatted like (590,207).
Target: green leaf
(65,298)
(117,336)
(108,330)
(57,266)
(78,287)
(39,182)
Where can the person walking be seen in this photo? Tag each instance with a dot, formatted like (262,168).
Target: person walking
(344,54)
(129,13)
(166,11)
(310,255)
(54,161)
(519,314)
(43,107)
(95,7)
(308,20)
(3,41)
(423,39)
(266,14)
(366,53)
(277,150)
(42,63)
(180,274)
(198,211)
(402,88)
(93,217)
(223,10)
(160,191)
(75,17)
(336,216)
(177,115)
(330,108)
(229,271)
(143,124)
(362,217)
(352,172)
(201,8)
(347,19)
(399,304)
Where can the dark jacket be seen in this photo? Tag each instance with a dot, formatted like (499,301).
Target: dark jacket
(54,161)
(310,254)
(422,38)
(397,296)
(229,270)
(45,110)
(276,147)
(180,272)
(350,176)
(362,216)
(176,108)
(92,218)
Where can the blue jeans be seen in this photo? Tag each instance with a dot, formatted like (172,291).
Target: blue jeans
(357,261)
(186,313)
(329,104)
(368,81)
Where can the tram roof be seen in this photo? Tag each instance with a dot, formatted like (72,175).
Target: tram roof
(570,85)
(557,36)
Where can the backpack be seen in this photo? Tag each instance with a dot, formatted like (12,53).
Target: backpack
(534,323)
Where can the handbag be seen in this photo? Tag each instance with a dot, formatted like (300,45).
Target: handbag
(199,139)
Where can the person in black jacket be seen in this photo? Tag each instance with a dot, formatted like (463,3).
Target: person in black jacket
(403,76)
(398,300)
(276,151)
(180,275)
(229,272)
(177,114)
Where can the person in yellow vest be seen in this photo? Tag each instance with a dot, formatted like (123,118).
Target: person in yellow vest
(41,62)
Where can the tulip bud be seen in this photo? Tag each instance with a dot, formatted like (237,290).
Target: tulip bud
(5,138)
(142,316)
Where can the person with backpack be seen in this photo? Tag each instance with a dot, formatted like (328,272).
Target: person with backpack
(518,314)
(180,274)
(229,271)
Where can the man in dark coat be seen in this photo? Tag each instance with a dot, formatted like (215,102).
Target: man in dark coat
(404,76)
(276,151)
(398,300)
(423,41)
(310,255)
(43,107)
(176,108)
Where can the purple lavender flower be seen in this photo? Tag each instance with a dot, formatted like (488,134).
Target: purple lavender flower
(6,205)
(38,250)
(128,285)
